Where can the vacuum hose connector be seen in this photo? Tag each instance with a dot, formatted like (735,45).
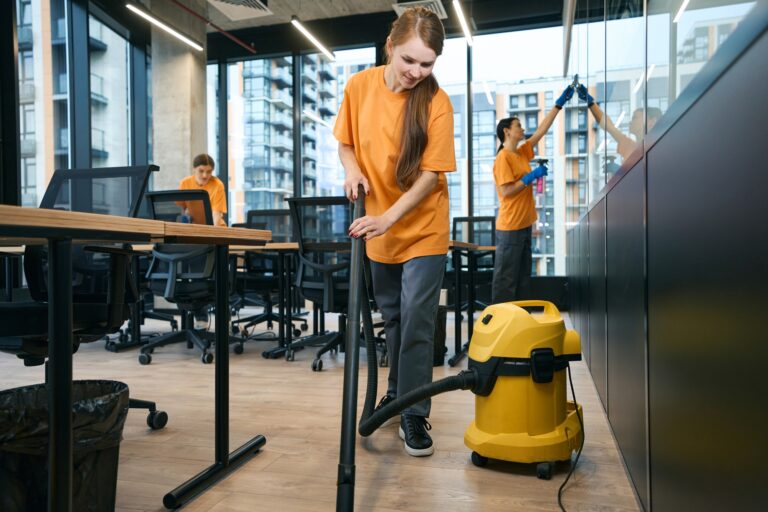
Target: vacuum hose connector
(464,380)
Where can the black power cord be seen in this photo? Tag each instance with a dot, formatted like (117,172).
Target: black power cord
(581,446)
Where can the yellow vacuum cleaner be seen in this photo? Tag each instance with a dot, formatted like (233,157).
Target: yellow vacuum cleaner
(521,412)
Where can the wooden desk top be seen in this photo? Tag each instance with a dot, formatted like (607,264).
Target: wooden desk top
(199,233)
(19,226)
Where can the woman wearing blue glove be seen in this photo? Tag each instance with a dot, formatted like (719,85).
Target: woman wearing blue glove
(517,210)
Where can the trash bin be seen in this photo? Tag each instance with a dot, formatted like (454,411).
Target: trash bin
(99,410)
(440,326)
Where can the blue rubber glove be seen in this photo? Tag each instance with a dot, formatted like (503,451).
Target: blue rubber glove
(584,95)
(563,99)
(535,174)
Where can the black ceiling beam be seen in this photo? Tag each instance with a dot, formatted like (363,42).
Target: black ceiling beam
(489,16)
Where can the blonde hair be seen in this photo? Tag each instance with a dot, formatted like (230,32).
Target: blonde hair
(427,26)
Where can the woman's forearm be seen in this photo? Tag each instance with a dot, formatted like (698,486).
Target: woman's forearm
(423,185)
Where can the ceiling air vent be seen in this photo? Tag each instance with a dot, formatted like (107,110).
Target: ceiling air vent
(435,6)
(237,10)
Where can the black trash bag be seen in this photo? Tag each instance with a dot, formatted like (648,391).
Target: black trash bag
(99,411)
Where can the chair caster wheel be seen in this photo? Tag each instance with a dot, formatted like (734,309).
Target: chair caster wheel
(174,326)
(289,355)
(384,361)
(305,327)
(145,358)
(157,419)
(296,333)
(544,470)
(235,330)
(239,349)
(317,365)
(206,358)
(110,346)
(478,460)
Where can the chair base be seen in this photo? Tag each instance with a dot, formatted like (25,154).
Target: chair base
(202,339)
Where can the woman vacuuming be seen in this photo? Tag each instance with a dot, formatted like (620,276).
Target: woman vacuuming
(395,133)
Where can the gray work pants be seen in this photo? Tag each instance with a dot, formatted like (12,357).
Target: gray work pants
(407,294)
(512,266)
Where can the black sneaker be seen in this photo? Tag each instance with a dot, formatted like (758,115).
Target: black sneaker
(384,401)
(413,430)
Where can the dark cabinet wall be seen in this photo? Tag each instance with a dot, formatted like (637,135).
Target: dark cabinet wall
(708,298)
(625,310)
(671,291)
(598,348)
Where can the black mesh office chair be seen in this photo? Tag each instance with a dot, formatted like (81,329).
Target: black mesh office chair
(258,284)
(183,274)
(320,227)
(479,230)
(102,287)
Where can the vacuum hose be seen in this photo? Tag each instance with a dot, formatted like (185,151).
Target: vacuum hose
(369,420)
(464,380)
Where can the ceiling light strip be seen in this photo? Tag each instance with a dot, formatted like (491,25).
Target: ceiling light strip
(163,26)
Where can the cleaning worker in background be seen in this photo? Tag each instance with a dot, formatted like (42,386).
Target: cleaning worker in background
(395,133)
(517,211)
(203,179)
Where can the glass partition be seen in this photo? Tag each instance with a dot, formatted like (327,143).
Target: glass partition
(323,85)
(259,135)
(526,90)
(686,34)
(110,101)
(451,73)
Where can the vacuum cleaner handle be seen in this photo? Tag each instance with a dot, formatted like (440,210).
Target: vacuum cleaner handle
(549,308)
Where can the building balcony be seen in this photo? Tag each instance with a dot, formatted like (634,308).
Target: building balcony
(326,71)
(27,92)
(97,91)
(25,37)
(282,78)
(96,37)
(28,147)
(326,90)
(99,144)
(59,31)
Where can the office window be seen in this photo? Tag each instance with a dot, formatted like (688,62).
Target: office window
(110,99)
(259,134)
(322,85)
(451,73)
(523,84)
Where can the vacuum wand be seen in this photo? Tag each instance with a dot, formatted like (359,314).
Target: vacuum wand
(345,490)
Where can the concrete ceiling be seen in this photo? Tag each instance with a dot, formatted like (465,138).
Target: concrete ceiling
(306,10)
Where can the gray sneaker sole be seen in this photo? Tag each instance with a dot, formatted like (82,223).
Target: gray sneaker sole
(413,451)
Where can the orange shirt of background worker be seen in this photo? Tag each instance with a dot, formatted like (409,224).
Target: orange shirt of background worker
(203,179)
(515,211)
(371,120)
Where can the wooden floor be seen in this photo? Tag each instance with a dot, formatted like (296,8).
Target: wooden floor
(298,411)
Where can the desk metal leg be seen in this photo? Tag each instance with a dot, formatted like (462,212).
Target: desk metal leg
(225,462)
(456,308)
(59,378)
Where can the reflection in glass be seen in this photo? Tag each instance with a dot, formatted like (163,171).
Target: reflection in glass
(110,103)
(260,135)
(323,85)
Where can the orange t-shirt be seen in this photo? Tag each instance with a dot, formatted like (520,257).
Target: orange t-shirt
(371,120)
(215,189)
(518,211)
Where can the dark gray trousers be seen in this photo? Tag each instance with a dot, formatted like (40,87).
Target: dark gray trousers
(512,265)
(407,294)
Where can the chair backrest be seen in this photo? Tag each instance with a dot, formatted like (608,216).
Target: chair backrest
(320,226)
(192,263)
(277,221)
(475,230)
(480,230)
(109,190)
(171,206)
